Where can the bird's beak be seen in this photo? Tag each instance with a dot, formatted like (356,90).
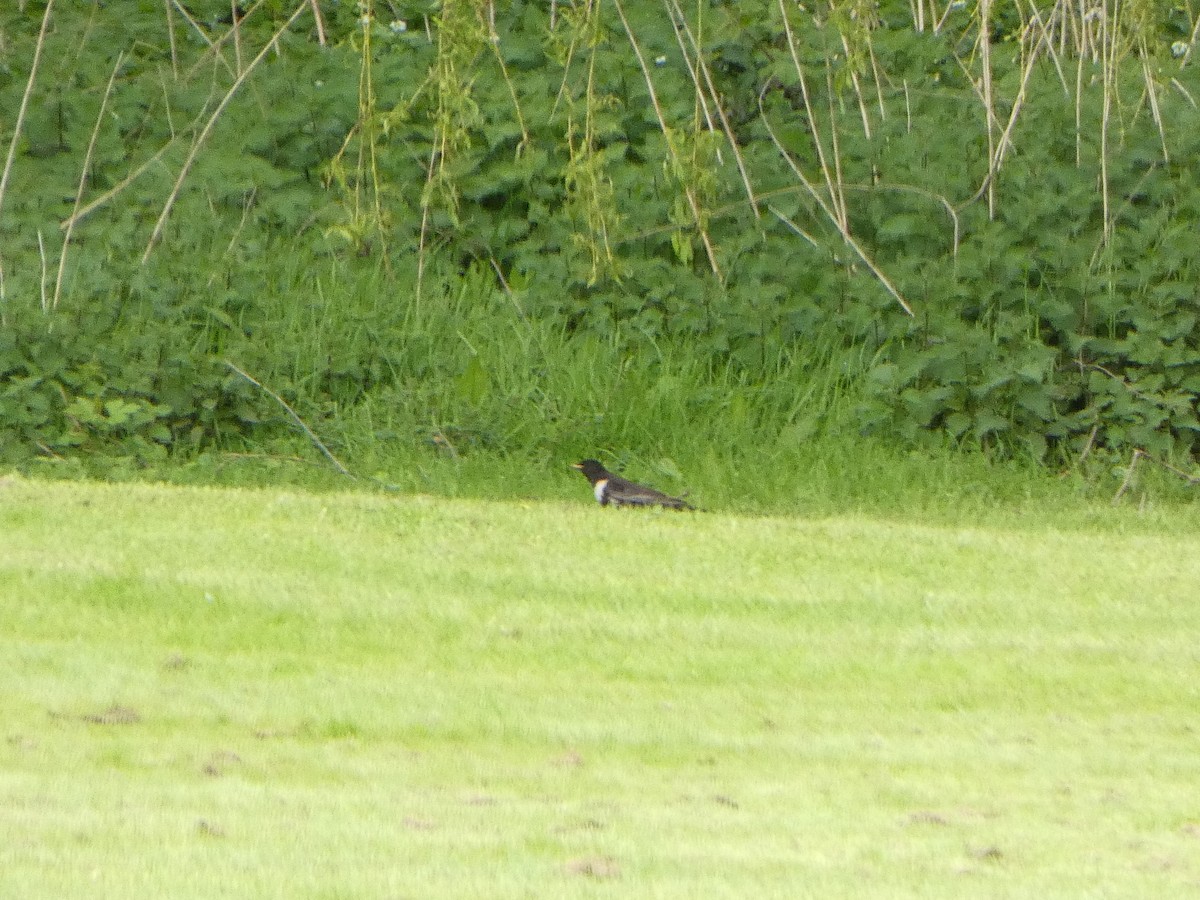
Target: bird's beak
(576,466)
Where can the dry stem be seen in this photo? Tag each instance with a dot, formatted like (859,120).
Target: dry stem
(689,192)
(87,161)
(207,130)
(1140,454)
(295,418)
(29,82)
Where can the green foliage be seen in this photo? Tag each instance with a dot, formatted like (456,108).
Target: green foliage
(85,387)
(468,216)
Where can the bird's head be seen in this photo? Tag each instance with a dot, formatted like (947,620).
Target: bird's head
(590,468)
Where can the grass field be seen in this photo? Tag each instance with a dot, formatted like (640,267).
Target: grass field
(258,693)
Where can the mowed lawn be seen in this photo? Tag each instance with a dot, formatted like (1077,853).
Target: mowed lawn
(255,693)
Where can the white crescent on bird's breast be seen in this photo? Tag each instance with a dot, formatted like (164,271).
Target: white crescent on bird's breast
(598,489)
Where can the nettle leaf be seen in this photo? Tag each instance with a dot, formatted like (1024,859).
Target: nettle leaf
(1148,383)
(925,405)
(991,386)
(885,376)
(1144,349)
(987,423)
(957,424)
(118,412)
(1037,400)
(900,228)
(84,411)
(1036,444)
(1037,364)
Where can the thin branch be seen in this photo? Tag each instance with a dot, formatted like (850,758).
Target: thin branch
(489,23)
(1138,455)
(792,226)
(247,206)
(712,91)
(689,193)
(1128,479)
(1190,479)
(830,213)
(42,257)
(87,161)
(79,215)
(1004,143)
(1108,83)
(208,127)
(171,39)
(29,82)
(839,205)
(316,11)
(989,102)
(213,46)
(1091,442)
(295,418)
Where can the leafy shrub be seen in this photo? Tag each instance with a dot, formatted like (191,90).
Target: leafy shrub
(358,206)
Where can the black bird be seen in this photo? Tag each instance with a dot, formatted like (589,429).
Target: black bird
(614,489)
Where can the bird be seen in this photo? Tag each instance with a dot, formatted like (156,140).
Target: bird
(614,489)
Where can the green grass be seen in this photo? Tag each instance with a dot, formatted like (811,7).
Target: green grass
(262,693)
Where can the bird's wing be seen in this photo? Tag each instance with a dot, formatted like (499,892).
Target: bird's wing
(623,492)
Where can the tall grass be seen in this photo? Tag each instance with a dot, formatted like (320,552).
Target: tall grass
(471,374)
(482,401)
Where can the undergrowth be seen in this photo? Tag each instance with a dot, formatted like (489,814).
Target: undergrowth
(723,232)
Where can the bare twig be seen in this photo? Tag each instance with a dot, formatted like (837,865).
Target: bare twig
(275,457)
(1190,479)
(87,161)
(689,192)
(1191,42)
(208,127)
(1084,366)
(247,206)
(792,226)
(171,39)
(999,148)
(830,212)
(33,67)
(42,257)
(489,23)
(80,214)
(295,418)
(316,11)
(681,26)
(989,101)
(1152,98)
(423,241)
(200,32)
(1128,479)
(1087,447)
(1140,454)
(837,208)
(1108,60)
(49,452)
